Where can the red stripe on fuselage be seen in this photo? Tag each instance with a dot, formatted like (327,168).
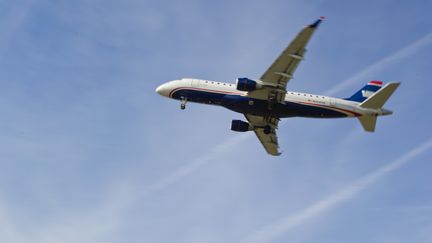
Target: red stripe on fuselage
(327,107)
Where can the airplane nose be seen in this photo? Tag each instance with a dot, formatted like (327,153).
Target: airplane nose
(162,90)
(159,89)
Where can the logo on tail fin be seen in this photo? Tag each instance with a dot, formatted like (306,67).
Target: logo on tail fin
(367,91)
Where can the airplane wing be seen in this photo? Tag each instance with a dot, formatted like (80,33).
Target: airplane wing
(281,71)
(274,82)
(270,140)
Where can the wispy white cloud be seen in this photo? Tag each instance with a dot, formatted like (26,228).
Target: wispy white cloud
(281,226)
(194,165)
(425,208)
(98,221)
(382,63)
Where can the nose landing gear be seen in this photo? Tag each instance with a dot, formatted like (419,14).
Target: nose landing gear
(183,103)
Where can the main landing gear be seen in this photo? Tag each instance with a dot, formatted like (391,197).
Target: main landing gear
(183,103)
(267,129)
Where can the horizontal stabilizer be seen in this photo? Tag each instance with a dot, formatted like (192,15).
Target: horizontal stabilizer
(378,99)
(368,122)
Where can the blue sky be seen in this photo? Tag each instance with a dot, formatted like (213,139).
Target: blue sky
(90,153)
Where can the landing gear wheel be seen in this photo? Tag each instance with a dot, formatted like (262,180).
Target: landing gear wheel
(267,129)
(183,103)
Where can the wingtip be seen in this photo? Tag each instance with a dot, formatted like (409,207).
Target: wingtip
(317,22)
(279,153)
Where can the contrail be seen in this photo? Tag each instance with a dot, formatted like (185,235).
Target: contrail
(122,197)
(194,165)
(106,217)
(377,66)
(285,224)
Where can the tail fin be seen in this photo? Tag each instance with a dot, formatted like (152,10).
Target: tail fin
(376,101)
(367,91)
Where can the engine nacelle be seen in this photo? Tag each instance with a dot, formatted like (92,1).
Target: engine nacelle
(240,126)
(245,84)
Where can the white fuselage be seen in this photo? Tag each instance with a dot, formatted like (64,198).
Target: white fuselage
(209,92)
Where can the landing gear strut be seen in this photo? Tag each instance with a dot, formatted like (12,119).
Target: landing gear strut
(267,129)
(183,103)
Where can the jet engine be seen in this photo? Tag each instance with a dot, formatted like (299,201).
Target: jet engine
(245,84)
(240,126)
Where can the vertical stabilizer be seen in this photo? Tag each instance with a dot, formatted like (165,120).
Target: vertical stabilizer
(368,90)
(376,102)
(378,99)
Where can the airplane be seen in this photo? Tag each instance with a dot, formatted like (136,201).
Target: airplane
(265,101)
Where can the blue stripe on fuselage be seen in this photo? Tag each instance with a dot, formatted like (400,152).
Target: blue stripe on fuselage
(198,96)
(246,105)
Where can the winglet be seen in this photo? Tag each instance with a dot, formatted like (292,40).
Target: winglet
(317,22)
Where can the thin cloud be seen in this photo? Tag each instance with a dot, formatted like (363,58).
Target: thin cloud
(93,224)
(191,167)
(379,65)
(281,226)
